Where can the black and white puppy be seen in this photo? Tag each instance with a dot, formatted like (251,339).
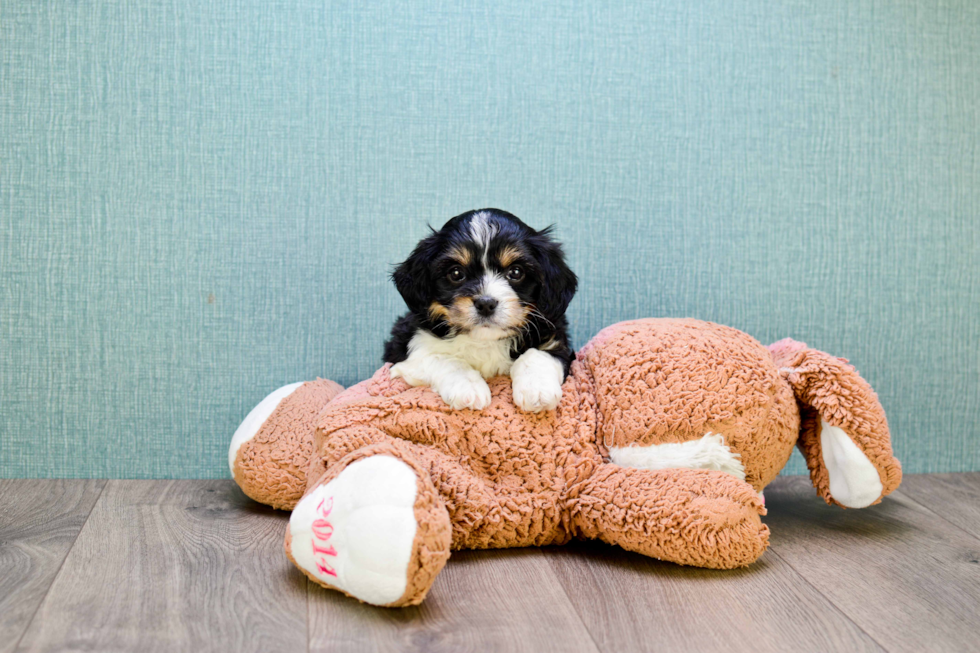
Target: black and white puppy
(487,296)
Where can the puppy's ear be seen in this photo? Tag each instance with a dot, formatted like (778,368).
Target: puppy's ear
(413,277)
(558,282)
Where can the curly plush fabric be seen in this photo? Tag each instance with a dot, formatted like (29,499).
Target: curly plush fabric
(271,467)
(660,381)
(691,517)
(504,478)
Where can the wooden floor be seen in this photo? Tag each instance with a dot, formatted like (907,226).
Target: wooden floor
(195,566)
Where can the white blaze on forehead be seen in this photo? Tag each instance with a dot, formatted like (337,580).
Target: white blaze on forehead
(497,287)
(482,232)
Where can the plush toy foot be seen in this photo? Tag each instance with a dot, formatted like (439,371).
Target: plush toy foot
(377,531)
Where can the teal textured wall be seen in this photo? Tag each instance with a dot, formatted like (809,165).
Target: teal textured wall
(200,201)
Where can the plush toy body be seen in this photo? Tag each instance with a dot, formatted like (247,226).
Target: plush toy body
(666,434)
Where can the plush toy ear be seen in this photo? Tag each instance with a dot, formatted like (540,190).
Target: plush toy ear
(843,430)
(558,282)
(413,278)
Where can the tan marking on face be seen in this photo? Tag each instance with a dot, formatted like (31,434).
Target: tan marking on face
(516,312)
(437,311)
(462,255)
(508,255)
(461,313)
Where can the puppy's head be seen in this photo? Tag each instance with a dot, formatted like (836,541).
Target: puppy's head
(487,274)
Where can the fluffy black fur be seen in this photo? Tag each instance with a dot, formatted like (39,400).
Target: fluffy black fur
(548,284)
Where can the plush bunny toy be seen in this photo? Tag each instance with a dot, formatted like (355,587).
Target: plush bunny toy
(665,436)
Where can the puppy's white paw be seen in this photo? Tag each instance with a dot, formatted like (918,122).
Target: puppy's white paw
(535,399)
(465,390)
(405,370)
(536,380)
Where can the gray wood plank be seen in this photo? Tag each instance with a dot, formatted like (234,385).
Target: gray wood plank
(633,603)
(954,497)
(907,577)
(498,600)
(39,521)
(174,565)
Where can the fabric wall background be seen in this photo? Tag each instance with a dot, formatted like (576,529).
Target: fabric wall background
(201,201)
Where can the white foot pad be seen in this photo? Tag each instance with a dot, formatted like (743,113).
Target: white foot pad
(854,481)
(709,452)
(356,532)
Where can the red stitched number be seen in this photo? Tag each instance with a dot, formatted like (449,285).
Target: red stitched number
(322,530)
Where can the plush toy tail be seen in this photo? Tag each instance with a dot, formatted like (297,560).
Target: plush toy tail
(270,452)
(843,431)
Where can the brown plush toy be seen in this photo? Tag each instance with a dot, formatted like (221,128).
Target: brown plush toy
(665,436)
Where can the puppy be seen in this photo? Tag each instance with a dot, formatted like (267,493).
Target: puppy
(486,296)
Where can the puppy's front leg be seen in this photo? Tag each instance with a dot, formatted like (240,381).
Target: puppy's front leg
(457,383)
(536,378)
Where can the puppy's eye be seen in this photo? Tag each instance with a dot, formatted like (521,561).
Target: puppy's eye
(456,274)
(516,273)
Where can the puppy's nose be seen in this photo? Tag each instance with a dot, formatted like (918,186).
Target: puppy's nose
(485,306)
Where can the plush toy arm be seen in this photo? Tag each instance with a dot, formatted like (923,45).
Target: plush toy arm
(843,430)
(692,517)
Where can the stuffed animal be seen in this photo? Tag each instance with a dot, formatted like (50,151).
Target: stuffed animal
(665,436)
